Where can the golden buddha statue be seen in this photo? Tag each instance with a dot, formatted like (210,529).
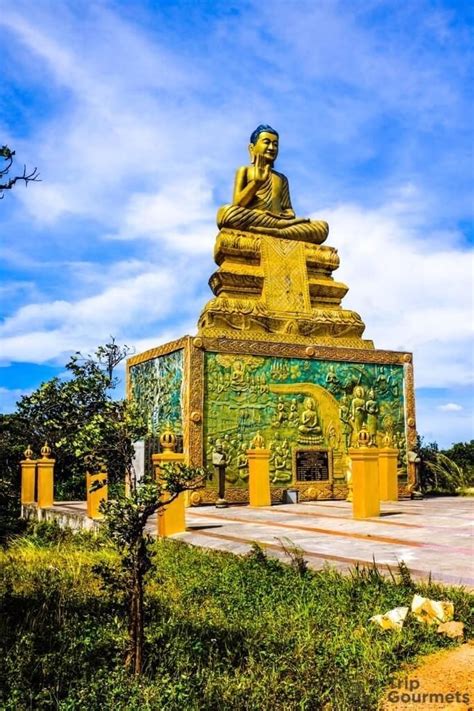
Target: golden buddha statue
(274,279)
(309,418)
(261,201)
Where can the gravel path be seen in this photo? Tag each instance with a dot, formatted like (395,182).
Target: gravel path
(444,680)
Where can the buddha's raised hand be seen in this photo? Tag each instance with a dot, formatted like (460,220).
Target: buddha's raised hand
(261,169)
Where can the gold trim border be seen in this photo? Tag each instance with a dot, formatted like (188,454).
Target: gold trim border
(194,412)
(294,350)
(410,422)
(158,351)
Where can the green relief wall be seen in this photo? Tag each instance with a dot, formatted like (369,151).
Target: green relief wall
(297,403)
(157,386)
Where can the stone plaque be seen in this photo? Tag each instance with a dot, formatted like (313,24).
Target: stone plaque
(312,465)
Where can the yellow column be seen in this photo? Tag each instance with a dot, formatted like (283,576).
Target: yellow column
(388,476)
(171,518)
(45,478)
(259,473)
(365,479)
(94,498)
(28,477)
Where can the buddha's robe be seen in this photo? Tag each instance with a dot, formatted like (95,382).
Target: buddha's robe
(266,214)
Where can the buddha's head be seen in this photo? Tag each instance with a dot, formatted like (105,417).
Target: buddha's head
(264,141)
(309,403)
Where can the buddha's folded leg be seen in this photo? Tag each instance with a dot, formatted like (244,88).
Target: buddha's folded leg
(315,231)
(245,219)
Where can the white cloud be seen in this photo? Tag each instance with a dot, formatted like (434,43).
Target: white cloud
(450,407)
(410,284)
(9,398)
(120,126)
(46,331)
(181,216)
(444,426)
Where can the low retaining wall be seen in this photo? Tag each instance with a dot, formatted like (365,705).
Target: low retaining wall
(74,518)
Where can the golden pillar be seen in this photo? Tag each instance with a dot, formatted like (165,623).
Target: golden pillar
(171,517)
(388,476)
(97,491)
(259,473)
(365,479)
(28,477)
(45,478)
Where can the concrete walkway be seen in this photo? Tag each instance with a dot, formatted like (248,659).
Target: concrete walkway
(433,536)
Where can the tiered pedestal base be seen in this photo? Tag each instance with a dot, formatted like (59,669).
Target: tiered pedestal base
(278,290)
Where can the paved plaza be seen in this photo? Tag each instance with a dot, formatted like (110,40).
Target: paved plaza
(432,536)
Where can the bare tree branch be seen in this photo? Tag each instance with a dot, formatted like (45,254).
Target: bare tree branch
(8,156)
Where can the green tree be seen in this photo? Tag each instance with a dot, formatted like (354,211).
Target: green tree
(80,420)
(447,476)
(445,471)
(427,453)
(462,453)
(12,445)
(126,518)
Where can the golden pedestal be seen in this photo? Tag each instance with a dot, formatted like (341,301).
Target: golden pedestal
(365,482)
(282,290)
(28,481)
(388,475)
(171,517)
(94,498)
(259,477)
(45,482)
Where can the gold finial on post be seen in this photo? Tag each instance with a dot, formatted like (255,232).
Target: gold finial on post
(28,453)
(168,439)
(258,442)
(46,451)
(363,439)
(387,440)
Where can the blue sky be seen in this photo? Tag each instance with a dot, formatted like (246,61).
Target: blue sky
(137,114)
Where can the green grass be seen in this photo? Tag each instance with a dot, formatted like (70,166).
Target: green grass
(223,632)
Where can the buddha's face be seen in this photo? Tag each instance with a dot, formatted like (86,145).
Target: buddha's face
(266,146)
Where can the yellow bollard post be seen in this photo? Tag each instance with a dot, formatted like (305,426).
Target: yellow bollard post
(28,477)
(259,473)
(96,496)
(45,478)
(171,518)
(388,476)
(365,479)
